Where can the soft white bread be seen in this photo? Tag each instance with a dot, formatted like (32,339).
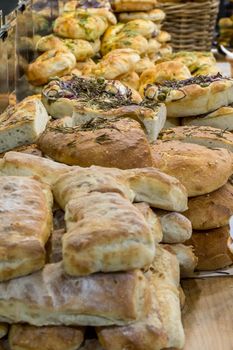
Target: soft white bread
(105,232)
(176,227)
(193,165)
(3,329)
(162,328)
(211,210)
(152,220)
(222,118)
(50,297)
(201,135)
(26,217)
(26,337)
(186,257)
(22,164)
(22,124)
(195,96)
(211,248)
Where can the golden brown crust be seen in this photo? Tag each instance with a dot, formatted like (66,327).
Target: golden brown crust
(50,64)
(26,337)
(27,218)
(133,5)
(211,248)
(211,210)
(193,165)
(155,15)
(119,143)
(50,297)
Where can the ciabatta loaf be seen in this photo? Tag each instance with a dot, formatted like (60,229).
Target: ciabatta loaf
(22,124)
(25,225)
(50,297)
(26,337)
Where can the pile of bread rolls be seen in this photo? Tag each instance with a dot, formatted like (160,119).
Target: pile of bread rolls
(101,266)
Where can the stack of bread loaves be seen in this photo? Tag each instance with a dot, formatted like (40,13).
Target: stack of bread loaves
(103,267)
(202,160)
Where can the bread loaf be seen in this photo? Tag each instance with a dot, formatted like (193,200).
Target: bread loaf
(26,217)
(50,297)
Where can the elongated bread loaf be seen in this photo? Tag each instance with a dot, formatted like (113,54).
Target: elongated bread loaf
(26,337)
(105,232)
(162,328)
(25,225)
(50,297)
(22,124)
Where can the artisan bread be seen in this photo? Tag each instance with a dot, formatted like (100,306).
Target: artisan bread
(26,216)
(109,142)
(201,135)
(176,227)
(195,96)
(105,232)
(22,164)
(50,297)
(155,15)
(222,118)
(152,220)
(30,149)
(162,328)
(186,257)
(50,64)
(22,124)
(26,337)
(211,210)
(193,165)
(210,246)
(133,5)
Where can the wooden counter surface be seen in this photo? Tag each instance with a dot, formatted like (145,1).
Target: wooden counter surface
(208,313)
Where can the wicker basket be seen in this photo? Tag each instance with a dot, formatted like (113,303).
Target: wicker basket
(191,24)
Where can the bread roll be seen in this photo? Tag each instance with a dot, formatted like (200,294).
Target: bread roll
(163,37)
(22,124)
(105,232)
(50,297)
(186,257)
(176,227)
(193,165)
(152,220)
(26,216)
(162,328)
(52,63)
(117,142)
(195,96)
(133,5)
(155,15)
(211,210)
(222,118)
(26,337)
(211,248)
(201,135)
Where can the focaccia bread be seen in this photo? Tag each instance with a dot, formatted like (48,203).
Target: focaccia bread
(176,227)
(105,233)
(193,165)
(133,5)
(26,217)
(155,15)
(186,257)
(60,96)
(211,210)
(116,142)
(22,164)
(52,63)
(152,220)
(50,297)
(163,327)
(22,124)
(26,337)
(211,248)
(74,5)
(222,118)
(195,96)
(201,135)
